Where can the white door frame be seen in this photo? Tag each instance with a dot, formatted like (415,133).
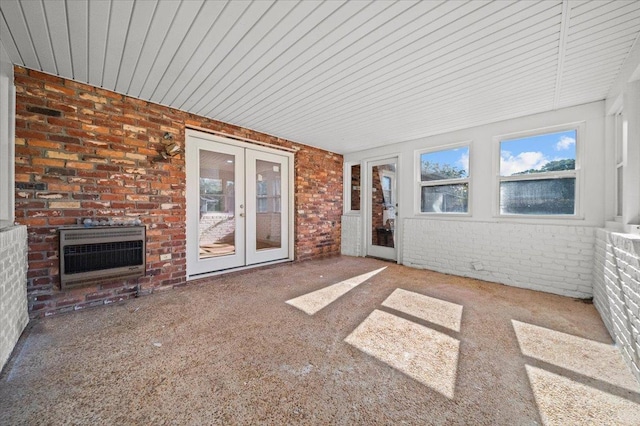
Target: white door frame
(253,255)
(370,249)
(194,139)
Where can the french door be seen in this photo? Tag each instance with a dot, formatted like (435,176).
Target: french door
(238,204)
(381,207)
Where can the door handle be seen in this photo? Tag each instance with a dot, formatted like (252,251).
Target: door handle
(241,214)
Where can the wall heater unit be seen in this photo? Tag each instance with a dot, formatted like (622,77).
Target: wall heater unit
(99,253)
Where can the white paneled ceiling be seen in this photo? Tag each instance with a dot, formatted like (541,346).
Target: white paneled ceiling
(341,75)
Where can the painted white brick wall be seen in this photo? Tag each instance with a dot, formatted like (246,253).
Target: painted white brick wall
(13,288)
(550,258)
(616,291)
(351,236)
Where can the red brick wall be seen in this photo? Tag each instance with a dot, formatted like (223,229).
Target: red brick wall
(84,152)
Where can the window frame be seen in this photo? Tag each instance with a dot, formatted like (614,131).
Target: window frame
(577,173)
(444,182)
(7,141)
(620,130)
(346,198)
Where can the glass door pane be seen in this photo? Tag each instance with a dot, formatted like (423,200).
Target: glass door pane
(217,227)
(381,207)
(267,206)
(215,206)
(268,181)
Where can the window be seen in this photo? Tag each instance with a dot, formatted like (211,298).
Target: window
(352,187)
(211,196)
(277,196)
(355,187)
(7,140)
(261,193)
(444,180)
(538,174)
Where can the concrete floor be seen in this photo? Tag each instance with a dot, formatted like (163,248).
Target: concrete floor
(337,341)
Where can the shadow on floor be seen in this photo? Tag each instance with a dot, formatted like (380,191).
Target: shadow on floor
(341,341)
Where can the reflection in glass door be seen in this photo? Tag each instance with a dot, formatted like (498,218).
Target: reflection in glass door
(216,226)
(267,201)
(217,230)
(381,207)
(268,215)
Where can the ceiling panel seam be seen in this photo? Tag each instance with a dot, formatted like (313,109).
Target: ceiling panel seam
(210,106)
(192,58)
(4,20)
(174,54)
(226,55)
(36,23)
(352,43)
(46,22)
(446,74)
(438,97)
(564,30)
(68,27)
(414,41)
(106,42)
(603,46)
(631,22)
(288,64)
(213,50)
(410,73)
(272,61)
(19,24)
(26,24)
(159,55)
(248,51)
(142,45)
(606,23)
(372,115)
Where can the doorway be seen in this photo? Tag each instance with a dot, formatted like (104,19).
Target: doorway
(238,204)
(381,208)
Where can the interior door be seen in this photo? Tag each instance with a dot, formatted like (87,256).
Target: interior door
(381,208)
(215,206)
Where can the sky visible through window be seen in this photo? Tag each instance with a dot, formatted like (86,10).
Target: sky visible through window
(534,152)
(455,158)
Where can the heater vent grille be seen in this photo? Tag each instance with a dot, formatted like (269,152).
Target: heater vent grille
(81,234)
(90,254)
(95,257)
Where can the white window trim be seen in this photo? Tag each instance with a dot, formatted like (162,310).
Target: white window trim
(417,202)
(578,173)
(620,158)
(346,193)
(7,142)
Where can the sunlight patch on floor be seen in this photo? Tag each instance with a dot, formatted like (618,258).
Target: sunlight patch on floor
(421,353)
(587,357)
(315,301)
(562,401)
(427,308)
